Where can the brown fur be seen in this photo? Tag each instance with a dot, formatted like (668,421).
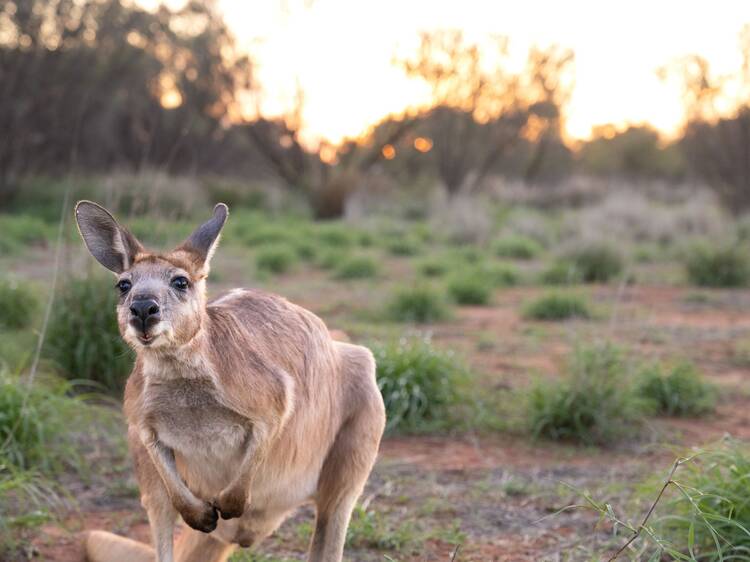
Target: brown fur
(238,410)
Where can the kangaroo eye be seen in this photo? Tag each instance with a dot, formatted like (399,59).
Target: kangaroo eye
(180,283)
(124,286)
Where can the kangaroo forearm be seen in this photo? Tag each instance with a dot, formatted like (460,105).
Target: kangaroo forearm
(165,464)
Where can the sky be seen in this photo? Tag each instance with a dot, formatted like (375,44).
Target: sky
(340,53)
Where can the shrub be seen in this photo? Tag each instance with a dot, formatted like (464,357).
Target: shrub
(593,405)
(502,275)
(17,305)
(596,263)
(419,383)
(82,336)
(405,246)
(335,235)
(277,258)
(679,392)
(357,267)
(330,258)
(562,272)
(472,287)
(517,247)
(420,304)
(557,306)
(724,266)
(22,230)
(432,267)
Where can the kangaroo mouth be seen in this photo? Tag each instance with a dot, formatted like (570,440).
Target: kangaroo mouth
(146,339)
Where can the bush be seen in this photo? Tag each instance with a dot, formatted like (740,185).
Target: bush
(82,337)
(562,272)
(276,258)
(517,247)
(335,235)
(357,267)
(557,306)
(432,267)
(419,304)
(724,266)
(596,263)
(404,246)
(23,230)
(679,392)
(18,304)
(502,275)
(593,405)
(471,287)
(419,383)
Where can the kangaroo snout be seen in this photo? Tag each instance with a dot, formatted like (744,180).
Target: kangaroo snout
(144,313)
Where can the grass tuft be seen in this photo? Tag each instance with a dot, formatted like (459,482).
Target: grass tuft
(18,303)
(470,288)
(420,304)
(83,340)
(419,383)
(593,405)
(596,263)
(557,306)
(517,247)
(723,266)
(357,267)
(276,258)
(681,391)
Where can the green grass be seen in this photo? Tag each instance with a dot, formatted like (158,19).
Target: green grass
(356,267)
(557,306)
(720,266)
(596,263)
(403,246)
(594,404)
(372,529)
(432,267)
(679,391)
(471,288)
(517,247)
(420,304)
(21,230)
(276,259)
(420,384)
(18,303)
(502,274)
(83,341)
(561,272)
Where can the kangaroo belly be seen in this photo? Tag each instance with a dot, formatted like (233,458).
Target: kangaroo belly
(208,439)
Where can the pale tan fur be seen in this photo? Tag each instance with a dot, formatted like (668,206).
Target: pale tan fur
(243,408)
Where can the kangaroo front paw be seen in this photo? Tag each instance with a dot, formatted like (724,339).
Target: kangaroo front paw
(202,518)
(231,503)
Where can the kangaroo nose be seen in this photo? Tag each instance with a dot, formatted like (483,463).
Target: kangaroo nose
(144,309)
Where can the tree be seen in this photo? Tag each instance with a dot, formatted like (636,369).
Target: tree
(481,109)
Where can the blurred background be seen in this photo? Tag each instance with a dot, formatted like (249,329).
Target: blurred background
(537,215)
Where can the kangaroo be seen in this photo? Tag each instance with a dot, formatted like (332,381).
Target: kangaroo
(238,410)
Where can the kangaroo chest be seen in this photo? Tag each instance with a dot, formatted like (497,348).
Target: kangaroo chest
(190,420)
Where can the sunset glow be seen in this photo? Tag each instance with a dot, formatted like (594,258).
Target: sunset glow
(341,52)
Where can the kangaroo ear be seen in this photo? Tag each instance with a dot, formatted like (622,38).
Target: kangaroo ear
(111,244)
(203,241)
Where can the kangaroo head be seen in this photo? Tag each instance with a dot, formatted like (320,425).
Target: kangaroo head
(162,296)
